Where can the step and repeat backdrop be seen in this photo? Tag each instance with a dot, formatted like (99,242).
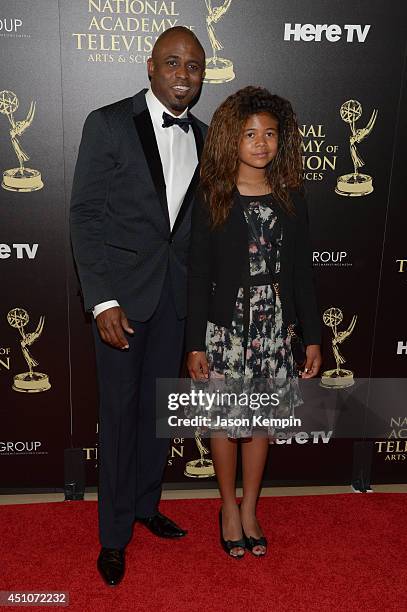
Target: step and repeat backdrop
(342,65)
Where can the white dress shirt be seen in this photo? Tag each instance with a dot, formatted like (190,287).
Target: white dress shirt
(178,158)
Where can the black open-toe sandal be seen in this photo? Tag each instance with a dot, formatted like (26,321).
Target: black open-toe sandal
(228,545)
(253,542)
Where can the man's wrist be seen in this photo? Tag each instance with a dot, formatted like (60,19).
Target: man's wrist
(99,308)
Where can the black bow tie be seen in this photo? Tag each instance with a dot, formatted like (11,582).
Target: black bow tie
(184,123)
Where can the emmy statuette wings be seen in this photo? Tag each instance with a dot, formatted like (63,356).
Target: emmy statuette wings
(21,179)
(218,69)
(355,184)
(31,381)
(338,378)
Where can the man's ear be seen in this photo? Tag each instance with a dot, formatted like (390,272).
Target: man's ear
(150,66)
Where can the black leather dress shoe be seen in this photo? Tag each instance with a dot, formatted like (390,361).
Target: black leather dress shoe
(162,526)
(111,565)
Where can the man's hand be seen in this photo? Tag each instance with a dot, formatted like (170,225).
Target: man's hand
(111,323)
(313,362)
(197,365)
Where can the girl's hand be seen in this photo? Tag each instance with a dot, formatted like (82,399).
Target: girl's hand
(197,365)
(313,362)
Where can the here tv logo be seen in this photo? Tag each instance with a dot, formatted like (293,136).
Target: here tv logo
(322,32)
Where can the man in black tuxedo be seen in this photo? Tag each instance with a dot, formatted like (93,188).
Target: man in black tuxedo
(134,183)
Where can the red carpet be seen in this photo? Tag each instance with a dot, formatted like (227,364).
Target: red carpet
(342,552)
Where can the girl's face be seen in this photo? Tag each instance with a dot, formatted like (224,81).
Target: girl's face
(259,141)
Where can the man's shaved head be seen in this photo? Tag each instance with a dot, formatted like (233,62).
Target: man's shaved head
(175,30)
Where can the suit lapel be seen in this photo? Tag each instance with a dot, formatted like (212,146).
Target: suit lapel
(148,141)
(198,137)
(195,178)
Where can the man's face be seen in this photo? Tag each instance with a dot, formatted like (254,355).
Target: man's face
(176,71)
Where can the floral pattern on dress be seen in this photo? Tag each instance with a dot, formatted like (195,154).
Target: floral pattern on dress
(266,363)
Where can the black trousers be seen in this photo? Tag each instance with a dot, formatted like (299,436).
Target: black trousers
(131,458)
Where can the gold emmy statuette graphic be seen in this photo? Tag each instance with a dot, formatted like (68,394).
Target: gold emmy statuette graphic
(338,378)
(21,178)
(355,184)
(200,468)
(218,69)
(31,381)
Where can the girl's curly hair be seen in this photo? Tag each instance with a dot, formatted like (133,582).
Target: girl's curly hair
(220,160)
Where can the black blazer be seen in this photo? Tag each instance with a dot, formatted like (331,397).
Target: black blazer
(219,261)
(120,226)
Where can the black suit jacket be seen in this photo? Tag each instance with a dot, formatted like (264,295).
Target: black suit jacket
(120,226)
(219,262)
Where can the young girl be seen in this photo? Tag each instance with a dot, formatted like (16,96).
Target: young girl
(250,280)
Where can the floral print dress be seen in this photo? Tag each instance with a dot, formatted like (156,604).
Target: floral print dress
(254,354)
